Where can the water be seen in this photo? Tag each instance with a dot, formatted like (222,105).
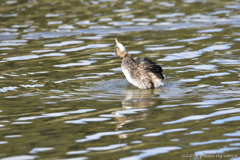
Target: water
(63,94)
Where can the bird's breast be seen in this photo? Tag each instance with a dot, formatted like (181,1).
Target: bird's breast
(128,75)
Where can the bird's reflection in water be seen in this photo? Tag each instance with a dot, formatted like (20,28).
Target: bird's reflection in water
(140,98)
(135,105)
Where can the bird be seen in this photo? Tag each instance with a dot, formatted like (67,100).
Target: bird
(140,72)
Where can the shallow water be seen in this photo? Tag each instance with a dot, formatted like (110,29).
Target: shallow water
(63,94)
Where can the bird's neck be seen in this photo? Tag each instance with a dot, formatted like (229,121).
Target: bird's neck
(125,55)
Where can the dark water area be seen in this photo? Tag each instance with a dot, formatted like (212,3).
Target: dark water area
(63,94)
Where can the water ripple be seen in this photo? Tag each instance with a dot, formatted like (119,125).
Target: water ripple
(169,15)
(194,39)
(28,57)
(86,47)
(84,120)
(106,148)
(65,43)
(21,157)
(80,63)
(163,132)
(199,117)
(55,114)
(210,30)
(101,134)
(150,152)
(215,141)
(42,149)
(236,134)
(164,48)
(122,10)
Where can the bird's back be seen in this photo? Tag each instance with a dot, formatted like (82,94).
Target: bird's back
(142,72)
(149,66)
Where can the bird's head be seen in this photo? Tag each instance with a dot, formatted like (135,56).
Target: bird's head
(119,49)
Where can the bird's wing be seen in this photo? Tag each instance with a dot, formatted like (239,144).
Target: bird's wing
(150,66)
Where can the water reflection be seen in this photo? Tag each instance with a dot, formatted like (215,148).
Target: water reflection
(101,134)
(141,98)
(135,105)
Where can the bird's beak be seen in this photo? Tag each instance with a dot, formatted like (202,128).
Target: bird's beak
(116,41)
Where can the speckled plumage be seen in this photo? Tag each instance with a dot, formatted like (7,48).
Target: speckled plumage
(142,72)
